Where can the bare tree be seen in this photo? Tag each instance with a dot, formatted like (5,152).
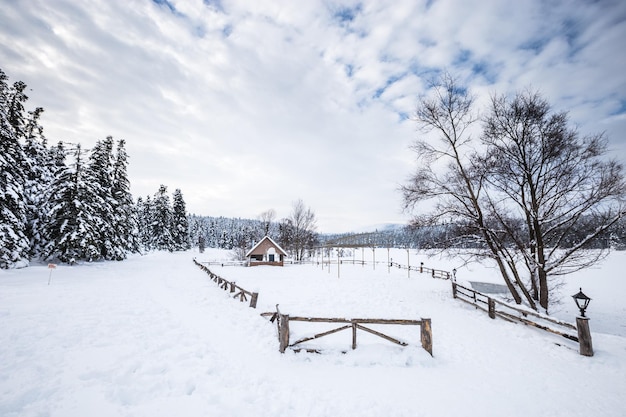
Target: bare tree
(448,173)
(303,225)
(520,190)
(544,172)
(267,217)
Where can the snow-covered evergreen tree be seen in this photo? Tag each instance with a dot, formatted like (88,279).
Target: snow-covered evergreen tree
(14,244)
(125,216)
(15,108)
(180,224)
(72,228)
(161,224)
(40,174)
(143,209)
(101,170)
(58,155)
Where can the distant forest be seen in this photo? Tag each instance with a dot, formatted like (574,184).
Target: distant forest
(237,233)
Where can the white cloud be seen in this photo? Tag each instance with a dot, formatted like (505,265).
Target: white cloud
(248,106)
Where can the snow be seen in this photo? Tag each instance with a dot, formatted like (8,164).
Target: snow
(154,336)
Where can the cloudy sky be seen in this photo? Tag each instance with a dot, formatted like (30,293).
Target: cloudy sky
(250,105)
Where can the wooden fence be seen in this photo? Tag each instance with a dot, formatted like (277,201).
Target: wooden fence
(493,307)
(226,285)
(283,321)
(435,273)
(496,308)
(224,263)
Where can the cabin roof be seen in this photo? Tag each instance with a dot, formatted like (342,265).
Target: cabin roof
(279,250)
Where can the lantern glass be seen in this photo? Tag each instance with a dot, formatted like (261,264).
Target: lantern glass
(582,301)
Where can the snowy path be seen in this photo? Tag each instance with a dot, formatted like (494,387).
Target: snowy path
(153,336)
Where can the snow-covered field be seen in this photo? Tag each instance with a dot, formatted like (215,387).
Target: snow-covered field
(153,336)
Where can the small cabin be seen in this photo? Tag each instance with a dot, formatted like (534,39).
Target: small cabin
(266,252)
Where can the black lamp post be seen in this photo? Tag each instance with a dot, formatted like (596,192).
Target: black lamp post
(582,301)
(582,324)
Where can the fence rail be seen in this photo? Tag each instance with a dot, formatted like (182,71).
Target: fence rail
(223,263)
(497,308)
(435,273)
(239,292)
(283,321)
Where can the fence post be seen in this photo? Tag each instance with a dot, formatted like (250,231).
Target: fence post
(353,335)
(421,267)
(283,332)
(374,257)
(492,307)
(453,289)
(426,336)
(408,264)
(232,287)
(253,299)
(584,336)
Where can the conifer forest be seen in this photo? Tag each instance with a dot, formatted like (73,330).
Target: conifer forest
(60,202)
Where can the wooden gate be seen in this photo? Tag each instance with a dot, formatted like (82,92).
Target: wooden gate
(283,321)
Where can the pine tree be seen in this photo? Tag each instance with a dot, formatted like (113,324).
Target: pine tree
(15,108)
(144,220)
(180,224)
(160,226)
(72,228)
(40,174)
(101,170)
(58,154)
(125,216)
(13,241)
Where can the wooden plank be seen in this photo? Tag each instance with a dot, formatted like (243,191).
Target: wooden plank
(344,320)
(253,300)
(584,336)
(539,326)
(389,321)
(520,310)
(426,336)
(379,334)
(538,315)
(473,304)
(473,300)
(283,332)
(317,336)
(506,317)
(492,308)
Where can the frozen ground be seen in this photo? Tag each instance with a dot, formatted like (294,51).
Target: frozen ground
(153,336)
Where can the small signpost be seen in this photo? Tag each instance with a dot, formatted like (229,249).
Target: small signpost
(51,267)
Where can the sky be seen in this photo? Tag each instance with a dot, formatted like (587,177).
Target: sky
(249,106)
